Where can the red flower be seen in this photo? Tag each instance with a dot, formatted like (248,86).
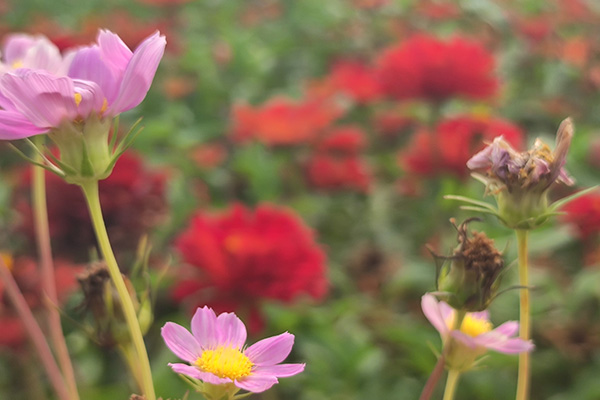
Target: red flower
(454,141)
(133,201)
(236,259)
(26,274)
(355,80)
(337,164)
(283,122)
(429,68)
(584,214)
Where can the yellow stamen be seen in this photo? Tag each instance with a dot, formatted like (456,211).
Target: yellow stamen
(104,106)
(225,362)
(17,64)
(475,326)
(77,98)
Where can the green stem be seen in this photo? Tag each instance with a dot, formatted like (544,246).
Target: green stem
(42,232)
(90,190)
(451,384)
(525,316)
(129,355)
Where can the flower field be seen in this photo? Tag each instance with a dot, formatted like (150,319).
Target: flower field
(387,199)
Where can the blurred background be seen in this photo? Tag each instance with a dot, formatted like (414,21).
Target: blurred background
(292,169)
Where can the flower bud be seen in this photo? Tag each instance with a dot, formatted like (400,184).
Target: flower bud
(102,300)
(469,278)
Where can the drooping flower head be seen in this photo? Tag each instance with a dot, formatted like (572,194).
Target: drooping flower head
(76,110)
(520,180)
(425,67)
(236,259)
(475,335)
(217,354)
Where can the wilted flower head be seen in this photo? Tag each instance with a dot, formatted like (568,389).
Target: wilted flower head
(474,337)
(76,110)
(217,353)
(520,181)
(469,278)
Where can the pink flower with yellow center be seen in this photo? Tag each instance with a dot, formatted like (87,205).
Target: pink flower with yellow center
(475,335)
(216,352)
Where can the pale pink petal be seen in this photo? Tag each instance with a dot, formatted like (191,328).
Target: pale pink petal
(481,315)
(272,350)
(181,342)
(139,74)
(88,64)
(436,312)
(211,378)
(114,51)
(231,330)
(92,99)
(204,327)
(508,328)
(43,99)
(280,370)
(511,346)
(43,54)
(14,126)
(465,339)
(185,369)
(256,383)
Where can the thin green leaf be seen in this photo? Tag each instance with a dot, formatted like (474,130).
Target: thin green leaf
(559,203)
(471,201)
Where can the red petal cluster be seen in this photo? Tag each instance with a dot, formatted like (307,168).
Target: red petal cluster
(133,201)
(283,122)
(429,68)
(454,141)
(242,256)
(337,164)
(584,214)
(355,80)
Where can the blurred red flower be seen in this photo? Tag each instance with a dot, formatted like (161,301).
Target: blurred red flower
(429,68)
(133,200)
(448,148)
(238,258)
(283,122)
(26,274)
(584,214)
(336,163)
(355,80)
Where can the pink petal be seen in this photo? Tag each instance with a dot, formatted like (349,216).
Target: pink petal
(114,51)
(43,99)
(256,383)
(280,370)
(43,54)
(210,378)
(465,339)
(272,350)
(181,342)
(481,315)
(92,98)
(434,311)
(139,74)
(204,328)
(231,330)
(14,126)
(508,329)
(186,370)
(88,64)
(511,346)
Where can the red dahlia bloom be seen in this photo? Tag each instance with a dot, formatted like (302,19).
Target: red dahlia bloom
(584,214)
(283,122)
(133,201)
(429,68)
(453,143)
(238,258)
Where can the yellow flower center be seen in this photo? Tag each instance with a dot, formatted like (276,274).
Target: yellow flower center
(475,326)
(77,98)
(225,362)
(17,64)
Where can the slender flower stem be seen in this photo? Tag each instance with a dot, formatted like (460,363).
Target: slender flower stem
(524,323)
(90,190)
(34,331)
(434,378)
(42,233)
(451,384)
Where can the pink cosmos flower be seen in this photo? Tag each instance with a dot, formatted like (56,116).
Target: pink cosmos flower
(21,50)
(475,335)
(216,351)
(104,79)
